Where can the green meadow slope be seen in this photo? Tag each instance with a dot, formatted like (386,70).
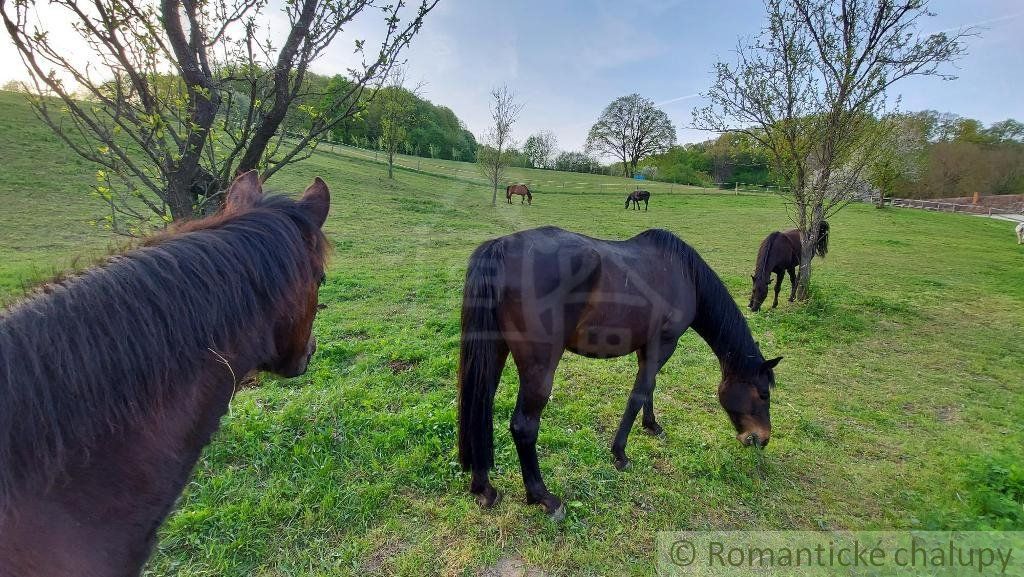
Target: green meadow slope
(900,402)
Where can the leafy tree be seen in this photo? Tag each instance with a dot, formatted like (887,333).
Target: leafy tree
(574,161)
(540,149)
(397,113)
(809,87)
(494,158)
(898,156)
(630,129)
(188,94)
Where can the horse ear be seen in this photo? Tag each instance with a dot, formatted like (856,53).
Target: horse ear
(770,364)
(317,200)
(244,192)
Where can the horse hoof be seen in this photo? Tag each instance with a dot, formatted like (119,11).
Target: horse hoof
(655,431)
(489,502)
(622,464)
(559,514)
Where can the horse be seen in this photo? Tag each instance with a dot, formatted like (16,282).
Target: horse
(520,189)
(115,379)
(779,254)
(1020,233)
(636,196)
(536,293)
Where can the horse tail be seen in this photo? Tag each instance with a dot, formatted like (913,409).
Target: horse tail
(479,366)
(529,196)
(822,247)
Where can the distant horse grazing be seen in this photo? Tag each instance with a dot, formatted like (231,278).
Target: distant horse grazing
(520,189)
(1020,233)
(636,196)
(112,382)
(538,292)
(779,254)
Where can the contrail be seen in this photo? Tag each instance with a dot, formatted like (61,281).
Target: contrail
(677,99)
(989,21)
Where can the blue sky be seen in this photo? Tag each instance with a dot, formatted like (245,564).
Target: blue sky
(566,59)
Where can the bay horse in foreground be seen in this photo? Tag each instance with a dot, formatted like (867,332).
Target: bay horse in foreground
(536,293)
(113,381)
(520,189)
(779,254)
(636,196)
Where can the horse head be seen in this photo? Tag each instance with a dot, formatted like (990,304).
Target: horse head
(294,343)
(746,399)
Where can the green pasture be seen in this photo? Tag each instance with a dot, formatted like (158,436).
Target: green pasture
(900,402)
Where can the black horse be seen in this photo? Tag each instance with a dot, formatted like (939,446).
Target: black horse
(779,254)
(636,196)
(538,292)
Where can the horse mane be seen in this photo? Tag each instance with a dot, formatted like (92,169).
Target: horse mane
(761,268)
(822,247)
(103,349)
(719,321)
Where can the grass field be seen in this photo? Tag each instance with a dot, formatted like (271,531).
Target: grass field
(900,402)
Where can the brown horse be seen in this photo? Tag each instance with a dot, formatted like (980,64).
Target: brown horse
(538,292)
(520,189)
(636,196)
(779,254)
(113,381)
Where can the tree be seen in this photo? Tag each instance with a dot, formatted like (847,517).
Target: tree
(630,129)
(898,156)
(398,112)
(572,161)
(14,86)
(809,87)
(494,158)
(540,149)
(180,95)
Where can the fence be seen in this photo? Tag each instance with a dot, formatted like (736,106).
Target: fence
(945,206)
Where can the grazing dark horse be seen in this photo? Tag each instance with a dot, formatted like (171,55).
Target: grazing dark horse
(636,196)
(520,189)
(779,254)
(538,292)
(112,382)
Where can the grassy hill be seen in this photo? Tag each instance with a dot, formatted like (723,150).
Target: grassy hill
(900,401)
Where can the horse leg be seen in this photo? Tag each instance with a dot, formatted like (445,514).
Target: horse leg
(649,358)
(792,282)
(534,391)
(648,421)
(778,286)
(645,205)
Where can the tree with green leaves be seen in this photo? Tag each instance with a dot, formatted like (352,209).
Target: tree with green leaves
(179,96)
(898,156)
(630,129)
(811,85)
(540,149)
(494,158)
(398,113)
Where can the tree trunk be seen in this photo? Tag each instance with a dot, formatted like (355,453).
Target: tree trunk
(391,164)
(494,197)
(179,197)
(809,238)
